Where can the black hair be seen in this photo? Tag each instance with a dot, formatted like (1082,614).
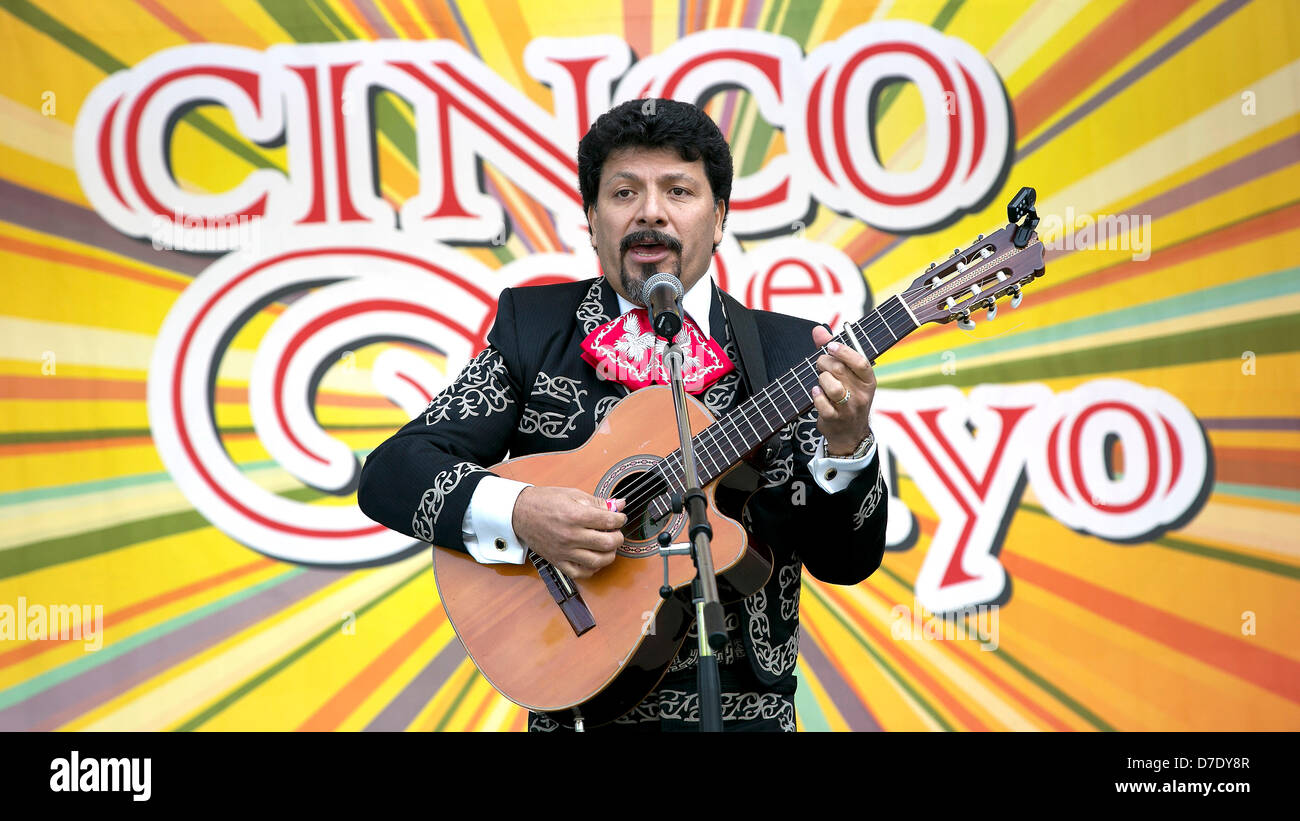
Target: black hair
(656,123)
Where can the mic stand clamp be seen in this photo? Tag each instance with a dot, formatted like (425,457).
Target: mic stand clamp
(711,627)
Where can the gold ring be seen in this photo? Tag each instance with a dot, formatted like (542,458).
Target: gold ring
(845,400)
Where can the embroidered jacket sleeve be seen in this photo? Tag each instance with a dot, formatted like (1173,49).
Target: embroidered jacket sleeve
(420,481)
(837,529)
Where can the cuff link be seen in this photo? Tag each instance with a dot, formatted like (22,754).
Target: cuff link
(499,543)
(831,474)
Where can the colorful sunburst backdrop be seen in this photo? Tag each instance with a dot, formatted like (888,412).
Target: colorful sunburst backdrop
(242,241)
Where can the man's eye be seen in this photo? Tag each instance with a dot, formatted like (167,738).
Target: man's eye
(623,194)
(678,191)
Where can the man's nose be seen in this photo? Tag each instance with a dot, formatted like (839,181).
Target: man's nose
(652,211)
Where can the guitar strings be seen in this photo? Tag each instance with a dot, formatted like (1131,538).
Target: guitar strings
(668,468)
(640,495)
(880,317)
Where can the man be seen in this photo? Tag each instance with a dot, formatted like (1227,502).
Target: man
(655,179)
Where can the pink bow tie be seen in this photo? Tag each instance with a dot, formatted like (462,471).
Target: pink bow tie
(626,350)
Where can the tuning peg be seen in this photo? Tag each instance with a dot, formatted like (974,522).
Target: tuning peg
(974,290)
(966,323)
(985,253)
(1016,296)
(993,308)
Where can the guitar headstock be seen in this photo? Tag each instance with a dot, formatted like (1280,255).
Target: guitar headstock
(977,276)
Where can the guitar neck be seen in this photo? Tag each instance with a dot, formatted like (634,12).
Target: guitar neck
(726,441)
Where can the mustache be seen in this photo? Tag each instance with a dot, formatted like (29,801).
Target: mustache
(650,235)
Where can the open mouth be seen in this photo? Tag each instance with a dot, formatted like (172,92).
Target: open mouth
(650,247)
(649,252)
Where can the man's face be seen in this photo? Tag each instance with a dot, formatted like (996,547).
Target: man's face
(654,212)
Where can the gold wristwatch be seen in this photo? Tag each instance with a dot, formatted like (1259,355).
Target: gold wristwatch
(861,450)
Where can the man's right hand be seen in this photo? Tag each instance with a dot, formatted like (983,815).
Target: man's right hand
(572,530)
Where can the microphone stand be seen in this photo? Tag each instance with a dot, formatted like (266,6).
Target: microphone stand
(711,626)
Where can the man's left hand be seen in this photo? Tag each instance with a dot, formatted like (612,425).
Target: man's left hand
(845,372)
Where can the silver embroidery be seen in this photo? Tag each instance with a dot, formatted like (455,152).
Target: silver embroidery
(719,396)
(690,652)
(479,390)
(775,660)
(604,406)
(426,513)
(683,706)
(804,429)
(809,437)
(551,424)
(780,472)
(870,503)
(591,313)
(542,723)
(633,343)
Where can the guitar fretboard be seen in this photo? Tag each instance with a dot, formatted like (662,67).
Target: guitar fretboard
(725,442)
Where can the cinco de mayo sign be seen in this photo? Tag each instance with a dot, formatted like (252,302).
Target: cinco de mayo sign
(377,273)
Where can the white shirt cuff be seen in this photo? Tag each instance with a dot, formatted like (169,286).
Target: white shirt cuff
(832,474)
(488,529)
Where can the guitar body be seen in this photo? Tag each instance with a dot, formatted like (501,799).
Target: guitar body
(515,632)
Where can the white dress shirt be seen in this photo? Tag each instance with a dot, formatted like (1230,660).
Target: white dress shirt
(488,527)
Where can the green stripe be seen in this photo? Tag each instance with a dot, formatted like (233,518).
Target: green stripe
(1083,712)
(40,494)
(747,101)
(455,703)
(1273,494)
(301,20)
(1043,684)
(37,555)
(89,661)
(307,23)
(1264,336)
(891,92)
(324,9)
(945,15)
(270,672)
(107,63)
(43,436)
(71,40)
(797,26)
(396,127)
(1282,569)
(810,712)
(853,631)
(1262,288)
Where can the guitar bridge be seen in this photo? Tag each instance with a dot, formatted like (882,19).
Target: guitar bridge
(566,595)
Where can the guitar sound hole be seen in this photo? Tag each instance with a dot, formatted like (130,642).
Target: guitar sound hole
(640,489)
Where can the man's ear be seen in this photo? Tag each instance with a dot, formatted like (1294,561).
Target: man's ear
(591,212)
(719,220)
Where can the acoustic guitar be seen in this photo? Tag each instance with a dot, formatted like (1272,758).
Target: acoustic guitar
(592,650)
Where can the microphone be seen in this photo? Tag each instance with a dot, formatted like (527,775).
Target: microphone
(660,295)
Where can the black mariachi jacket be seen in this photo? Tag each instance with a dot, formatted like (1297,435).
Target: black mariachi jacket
(529,391)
